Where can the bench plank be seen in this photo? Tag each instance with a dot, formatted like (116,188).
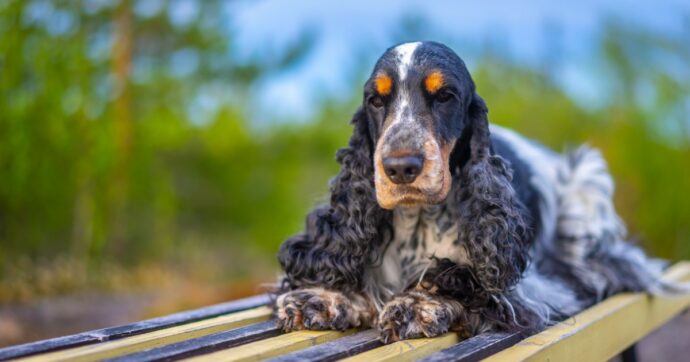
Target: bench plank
(340,348)
(155,339)
(407,350)
(205,344)
(477,348)
(273,346)
(113,333)
(604,330)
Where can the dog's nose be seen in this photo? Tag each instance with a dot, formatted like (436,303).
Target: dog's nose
(403,170)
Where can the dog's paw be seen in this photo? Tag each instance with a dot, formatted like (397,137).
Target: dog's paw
(315,309)
(414,315)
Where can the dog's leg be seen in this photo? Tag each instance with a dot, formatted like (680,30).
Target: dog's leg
(320,309)
(421,313)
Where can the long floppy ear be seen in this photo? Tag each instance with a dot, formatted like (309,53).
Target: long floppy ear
(492,219)
(480,142)
(342,237)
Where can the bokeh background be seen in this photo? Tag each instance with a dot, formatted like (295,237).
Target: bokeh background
(154,154)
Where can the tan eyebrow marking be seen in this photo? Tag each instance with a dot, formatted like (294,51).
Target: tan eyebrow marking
(433,82)
(384,84)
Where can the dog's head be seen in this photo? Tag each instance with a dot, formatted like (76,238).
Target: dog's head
(420,100)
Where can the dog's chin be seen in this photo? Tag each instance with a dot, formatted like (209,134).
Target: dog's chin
(407,196)
(410,202)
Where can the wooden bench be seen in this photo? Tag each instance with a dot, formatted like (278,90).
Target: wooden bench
(242,331)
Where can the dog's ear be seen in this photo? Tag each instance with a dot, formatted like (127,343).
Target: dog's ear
(341,238)
(492,220)
(480,143)
(353,193)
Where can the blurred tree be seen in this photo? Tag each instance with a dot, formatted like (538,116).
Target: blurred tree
(121,64)
(96,97)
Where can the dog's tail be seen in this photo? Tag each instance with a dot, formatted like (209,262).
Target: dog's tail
(590,235)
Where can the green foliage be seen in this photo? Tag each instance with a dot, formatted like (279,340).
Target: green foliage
(107,157)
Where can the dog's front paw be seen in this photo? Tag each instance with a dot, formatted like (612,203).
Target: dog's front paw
(316,309)
(416,314)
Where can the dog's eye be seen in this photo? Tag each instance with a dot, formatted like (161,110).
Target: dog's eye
(443,96)
(377,102)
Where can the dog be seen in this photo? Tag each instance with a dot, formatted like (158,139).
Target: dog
(439,222)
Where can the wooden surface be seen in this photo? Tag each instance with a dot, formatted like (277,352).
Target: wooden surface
(407,350)
(232,332)
(153,339)
(206,344)
(113,333)
(477,348)
(604,330)
(335,350)
(272,347)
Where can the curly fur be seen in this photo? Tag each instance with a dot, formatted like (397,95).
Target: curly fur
(491,219)
(492,229)
(342,238)
(533,236)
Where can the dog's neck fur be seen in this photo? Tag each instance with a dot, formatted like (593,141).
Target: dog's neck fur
(421,234)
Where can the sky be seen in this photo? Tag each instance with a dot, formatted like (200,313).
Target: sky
(523,31)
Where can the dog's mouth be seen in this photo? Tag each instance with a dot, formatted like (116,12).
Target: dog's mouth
(406,196)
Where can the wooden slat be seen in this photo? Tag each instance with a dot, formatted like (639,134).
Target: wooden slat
(205,344)
(273,346)
(113,333)
(407,350)
(156,338)
(604,330)
(340,348)
(477,348)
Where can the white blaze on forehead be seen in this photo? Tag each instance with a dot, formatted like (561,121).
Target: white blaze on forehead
(405,52)
(404,57)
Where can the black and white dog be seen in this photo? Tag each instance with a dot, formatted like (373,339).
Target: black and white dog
(439,222)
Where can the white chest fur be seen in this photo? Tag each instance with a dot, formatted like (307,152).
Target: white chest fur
(421,233)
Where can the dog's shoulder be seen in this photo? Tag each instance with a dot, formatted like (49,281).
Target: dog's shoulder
(534,166)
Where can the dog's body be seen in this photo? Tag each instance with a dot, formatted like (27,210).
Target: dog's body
(438,223)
